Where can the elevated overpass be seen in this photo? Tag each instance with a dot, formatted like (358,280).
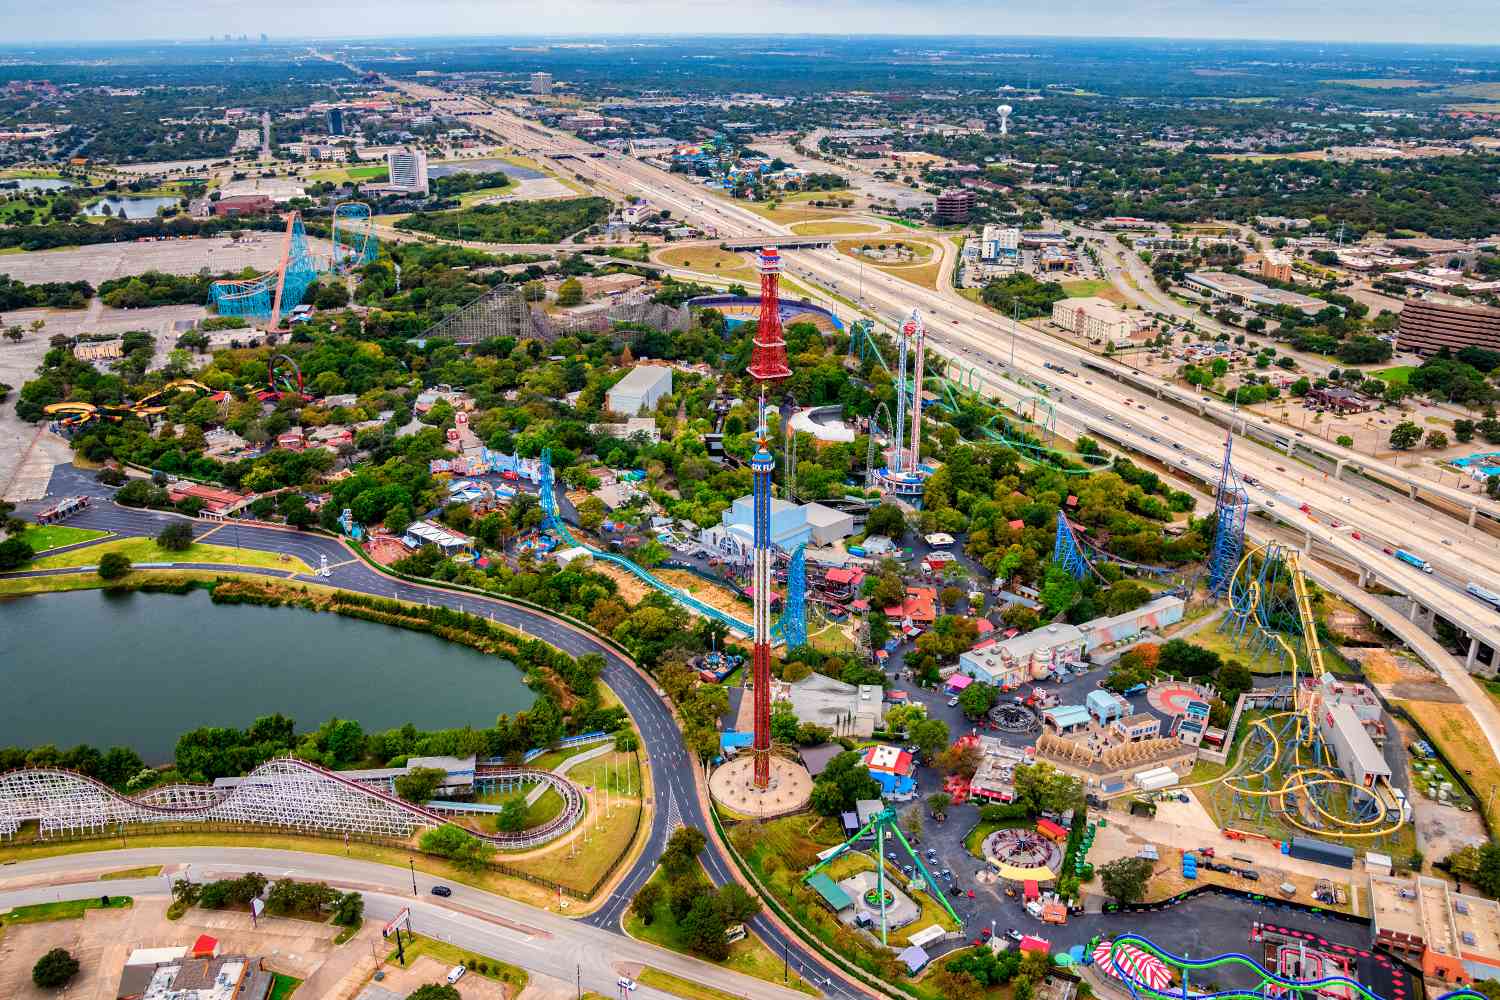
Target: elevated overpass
(781,242)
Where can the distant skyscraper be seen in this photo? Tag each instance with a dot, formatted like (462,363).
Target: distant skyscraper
(408,169)
(541,84)
(335,121)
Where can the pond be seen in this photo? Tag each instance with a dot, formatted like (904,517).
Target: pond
(34,184)
(138,670)
(131,206)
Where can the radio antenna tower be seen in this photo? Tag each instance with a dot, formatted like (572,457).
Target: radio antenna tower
(768,365)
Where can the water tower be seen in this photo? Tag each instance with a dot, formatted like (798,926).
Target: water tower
(1004,111)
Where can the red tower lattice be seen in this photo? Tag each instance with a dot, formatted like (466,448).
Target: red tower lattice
(768,365)
(768,360)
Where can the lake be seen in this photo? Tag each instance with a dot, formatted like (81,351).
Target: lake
(138,670)
(132,206)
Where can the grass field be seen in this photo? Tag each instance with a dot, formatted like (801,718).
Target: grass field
(448,954)
(283,986)
(51,536)
(68,909)
(710,260)
(145,550)
(1095,287)
(833,228)
(609,834)
(1452,729)
(1396,375)
(549,805)
(749,956)
(678,986)
(924,270)
(1384,83)
(549,760)
(144,871)
(376,173)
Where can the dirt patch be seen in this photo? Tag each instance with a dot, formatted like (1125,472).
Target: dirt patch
(631,587)
(718,596)
(1427,692)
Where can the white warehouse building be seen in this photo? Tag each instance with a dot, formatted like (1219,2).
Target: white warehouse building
(639,390)
(1094,318)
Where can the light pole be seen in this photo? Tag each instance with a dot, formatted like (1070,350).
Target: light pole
(413,865)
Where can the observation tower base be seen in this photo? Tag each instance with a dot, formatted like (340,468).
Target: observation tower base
(733,786)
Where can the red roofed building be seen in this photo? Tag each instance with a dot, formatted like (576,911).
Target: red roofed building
(892,767)
(216,502)
(1049,829)
(205,947)
(1015,525)
(246,204)
(919,608)
(1029,943)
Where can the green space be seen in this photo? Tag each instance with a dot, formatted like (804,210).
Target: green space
(283,986)
(678,986)
(749,956)
(513,221)
(552,758)
(548,806)
(144,871)
(51,536)
(348,175)
(483,965)
(1087,287)
(1396,375)
(68,909)
(145,550)
(347,934)
(584,861)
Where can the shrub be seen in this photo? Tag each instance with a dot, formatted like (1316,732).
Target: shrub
(176,537)
(54,969)
(114,565)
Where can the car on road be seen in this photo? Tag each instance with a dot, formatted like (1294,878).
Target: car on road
(1013,934)
(1354,535)
(952,702)
(625,983)
(1164,417)
(441,890)
(1270,502)
(1347,499)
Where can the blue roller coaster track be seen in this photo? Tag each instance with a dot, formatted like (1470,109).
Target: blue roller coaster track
(1066,552)
(791,626)
(273,295)
(354,242)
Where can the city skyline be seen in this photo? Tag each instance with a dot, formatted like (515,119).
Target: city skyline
(1465,22)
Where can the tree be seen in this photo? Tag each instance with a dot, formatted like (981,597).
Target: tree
(113,565)
(938,803)
(1126,879)
(1042,788)
(435,991)
(683,848)
(930,736)
(1232,679)
(513,815)
(349,910)
(176,537)
(737,903)
(1183,659)
(960,760)
(420,784)
(647,898)
(591,513)
(1404,435)
(15,552)
(54,969)
(845,780)
(570,292)
(704,928)
(977,699)
(1437,440)
(887,519)
(1344,441)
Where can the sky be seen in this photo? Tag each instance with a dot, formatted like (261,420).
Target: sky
(1412,21)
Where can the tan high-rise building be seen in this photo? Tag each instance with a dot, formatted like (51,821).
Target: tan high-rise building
(1427,326)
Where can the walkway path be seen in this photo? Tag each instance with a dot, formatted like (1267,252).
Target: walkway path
(604,747)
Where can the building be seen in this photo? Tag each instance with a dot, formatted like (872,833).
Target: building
(1094,318)
(733,535)
(541,84)
(955,204)
(1276,266)
(639,390)
(1022,658)
(245,204)
(1106,706)
(892,767)
(1427,326)
(1353,749)
(335,121)
(1119,222)
(216,502)
(1452,937)
(855,710)
(828,525)
(407,169)
(918,609)
(420,533)
(1237,288)
(193,977)
(994,778)
(99,350)
(1337,399)
(1000,244)
(1153,615)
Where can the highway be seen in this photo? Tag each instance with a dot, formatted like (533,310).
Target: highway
(574,951)
(1006,355)
(675,797)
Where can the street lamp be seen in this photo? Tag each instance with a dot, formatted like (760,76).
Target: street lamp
(413,865)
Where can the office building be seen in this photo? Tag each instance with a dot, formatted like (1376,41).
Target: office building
(954,205)
(999,243)
(408,169)
(1452,937)
(541,84)
(335,121)
(1426,327)
(1094,318)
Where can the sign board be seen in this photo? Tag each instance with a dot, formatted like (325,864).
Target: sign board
(402,919)
(257,906)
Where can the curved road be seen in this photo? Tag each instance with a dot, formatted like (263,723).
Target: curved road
(674,780)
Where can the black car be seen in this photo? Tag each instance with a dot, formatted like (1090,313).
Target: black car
(441,890)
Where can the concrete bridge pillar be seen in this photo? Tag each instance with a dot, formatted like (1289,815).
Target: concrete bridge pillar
(1338,468)
(1473,513)
(1411,490)
(1307,541)
(1364,578)
(1473,653)
(1412,609)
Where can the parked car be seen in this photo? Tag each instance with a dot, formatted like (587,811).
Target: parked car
(953,702)
(625,983)
(441,890)
(455,974)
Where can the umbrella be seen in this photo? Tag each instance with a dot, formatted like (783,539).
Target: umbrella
(1145,969)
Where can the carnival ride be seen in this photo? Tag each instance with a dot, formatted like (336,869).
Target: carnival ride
(1285,767)
(283,377)
(273,295)
(354,241)
(284,793)
(881,826)
(1123,963)
(1073,550)
(903,473)
(72,415)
